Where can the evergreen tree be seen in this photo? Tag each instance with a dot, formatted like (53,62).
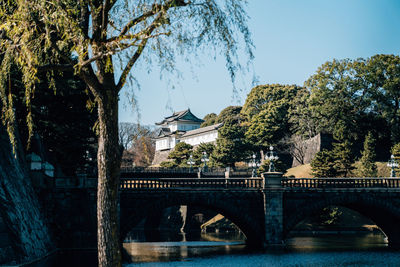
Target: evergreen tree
(231,144)
(323,164)
(209,119)
(267,113)
(198,154)
(368,166)
(181,154)
(230,113)
(344,158)
(168,164)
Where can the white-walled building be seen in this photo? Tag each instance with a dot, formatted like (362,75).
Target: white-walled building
(183,126)
(206,134)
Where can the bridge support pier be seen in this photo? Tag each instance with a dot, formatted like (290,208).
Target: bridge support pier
(273,210)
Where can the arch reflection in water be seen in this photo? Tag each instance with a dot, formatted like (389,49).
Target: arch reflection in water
(181,250)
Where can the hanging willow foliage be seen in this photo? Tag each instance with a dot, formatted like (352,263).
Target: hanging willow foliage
(102,41)
(104,36)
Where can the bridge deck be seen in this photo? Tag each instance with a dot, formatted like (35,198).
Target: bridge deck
(287,184)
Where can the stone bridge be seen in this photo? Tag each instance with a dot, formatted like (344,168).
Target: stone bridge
(265,210)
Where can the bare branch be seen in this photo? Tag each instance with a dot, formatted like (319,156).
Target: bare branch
(156,8)
(130,64)
(119,47)
(155,24)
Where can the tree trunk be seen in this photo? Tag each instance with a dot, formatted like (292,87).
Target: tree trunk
(19,205)
(109,159)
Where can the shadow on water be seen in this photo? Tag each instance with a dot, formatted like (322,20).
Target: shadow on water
(228,249)
(178,247)
(69,258)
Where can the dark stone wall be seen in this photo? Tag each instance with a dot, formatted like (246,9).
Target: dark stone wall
(313,146)
(72,216)
(6,245)
(19,206)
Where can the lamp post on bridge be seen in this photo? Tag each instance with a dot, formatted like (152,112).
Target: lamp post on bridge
(191,162)
(272,157)
(205,159)
(392,164)
(254,165)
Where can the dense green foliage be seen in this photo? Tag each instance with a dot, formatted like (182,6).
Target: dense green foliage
(344,158)
(353,97)
(368,165)
(345,98)
(267,113)
(230,113)
(333,163)
(198,154)
(323,164)
(209,119)
(231,145)
(60,119)
(181,153)
(169,164)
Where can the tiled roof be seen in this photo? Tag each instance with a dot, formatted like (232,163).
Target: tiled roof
(184,115)
(202,130)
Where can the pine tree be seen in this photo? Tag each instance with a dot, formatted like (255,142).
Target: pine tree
(343,158)
(368,166)
(323,164)
(181,154)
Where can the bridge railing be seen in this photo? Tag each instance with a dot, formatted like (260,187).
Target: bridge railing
(170,183)
(341,183)
(182,172)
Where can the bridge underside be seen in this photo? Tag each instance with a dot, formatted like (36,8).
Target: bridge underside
(243,208)
(383,208)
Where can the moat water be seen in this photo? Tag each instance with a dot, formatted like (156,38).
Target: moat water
(362,249)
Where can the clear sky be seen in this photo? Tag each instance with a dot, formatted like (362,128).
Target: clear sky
(292,38)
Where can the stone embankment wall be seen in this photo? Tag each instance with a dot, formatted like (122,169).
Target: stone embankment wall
(6,249)
(160,156)
(19,206)
(313,146)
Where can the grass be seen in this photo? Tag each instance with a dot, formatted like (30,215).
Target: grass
(301,171)
(304,171)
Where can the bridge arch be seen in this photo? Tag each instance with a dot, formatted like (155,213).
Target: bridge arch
(244,215)
(382,210)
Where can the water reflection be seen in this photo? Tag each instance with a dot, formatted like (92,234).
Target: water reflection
(228,249)
(174,247)
(360,241)
(213,245)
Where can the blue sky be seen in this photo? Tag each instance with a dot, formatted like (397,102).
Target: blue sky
(292,38)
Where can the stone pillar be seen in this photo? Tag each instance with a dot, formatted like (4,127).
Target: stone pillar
(273,209)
